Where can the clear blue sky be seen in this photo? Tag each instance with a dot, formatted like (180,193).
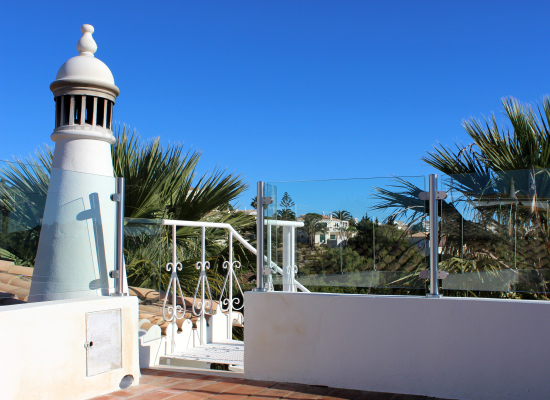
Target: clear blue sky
(282,90)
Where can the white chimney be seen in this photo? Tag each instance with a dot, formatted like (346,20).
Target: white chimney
(76,249)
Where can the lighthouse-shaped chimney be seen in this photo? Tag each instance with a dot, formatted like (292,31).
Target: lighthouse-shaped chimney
(77,241)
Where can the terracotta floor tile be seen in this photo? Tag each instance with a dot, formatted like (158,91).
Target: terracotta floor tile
(190,384)
(170,385)
(344,394)
(158,395)
(245,390)
(188,396)
(122,393)
(302,396)
(216,387)
(141,388)
(167,381)
(228,396)
(273,393)
(170,390)
(148,378)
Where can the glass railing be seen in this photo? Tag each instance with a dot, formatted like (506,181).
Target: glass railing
(495,231)
(143,253)
(351,233)
(57,233)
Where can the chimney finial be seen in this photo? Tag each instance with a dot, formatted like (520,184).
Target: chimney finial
(86,46)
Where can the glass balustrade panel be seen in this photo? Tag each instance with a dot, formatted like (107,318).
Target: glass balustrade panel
(494,232)
(349,235)
(57,233)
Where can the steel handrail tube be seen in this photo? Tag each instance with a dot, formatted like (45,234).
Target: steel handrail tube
(236,235)
(276,222)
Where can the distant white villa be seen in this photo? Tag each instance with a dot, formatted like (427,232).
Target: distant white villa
(333,237)
(251,211)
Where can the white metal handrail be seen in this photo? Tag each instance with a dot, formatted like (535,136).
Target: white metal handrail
(199,307)
(200,224)
(276,222)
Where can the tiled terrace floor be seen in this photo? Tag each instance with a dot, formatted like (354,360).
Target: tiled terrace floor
(164,384)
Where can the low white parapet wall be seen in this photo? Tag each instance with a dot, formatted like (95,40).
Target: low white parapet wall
(43,353)
(453,348)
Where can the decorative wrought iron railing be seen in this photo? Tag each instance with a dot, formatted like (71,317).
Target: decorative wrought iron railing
(203,301)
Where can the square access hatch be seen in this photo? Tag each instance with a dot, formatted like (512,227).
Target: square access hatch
(103,341)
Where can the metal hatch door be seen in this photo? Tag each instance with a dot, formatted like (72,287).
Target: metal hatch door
(103,341)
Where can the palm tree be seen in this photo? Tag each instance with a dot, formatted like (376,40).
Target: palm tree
(161,183)
(342,215)
(494,218)
(312,225)
(346,232)
(23,190)
(527,146)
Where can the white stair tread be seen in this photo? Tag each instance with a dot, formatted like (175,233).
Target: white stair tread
(223,352)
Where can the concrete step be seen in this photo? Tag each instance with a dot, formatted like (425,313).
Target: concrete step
(229,352)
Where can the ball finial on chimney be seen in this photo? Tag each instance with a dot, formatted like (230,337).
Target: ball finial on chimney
(86,46)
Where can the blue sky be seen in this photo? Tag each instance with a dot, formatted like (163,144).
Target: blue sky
(282,90)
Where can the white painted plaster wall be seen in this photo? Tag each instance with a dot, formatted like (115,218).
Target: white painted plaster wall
(42,353)
(153,346)
(455,348)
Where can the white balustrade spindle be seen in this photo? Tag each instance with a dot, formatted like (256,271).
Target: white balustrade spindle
(231,304)
(173,312)
(203,284)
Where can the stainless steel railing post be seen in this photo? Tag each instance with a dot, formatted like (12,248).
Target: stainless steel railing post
(118,274)
(260,237)
(434,238)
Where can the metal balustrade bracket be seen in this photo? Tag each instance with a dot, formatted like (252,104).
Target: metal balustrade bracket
(267,200)
(440,195)
(425,274)
(263,290)
(114,274)
(116,197)
(267,271)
